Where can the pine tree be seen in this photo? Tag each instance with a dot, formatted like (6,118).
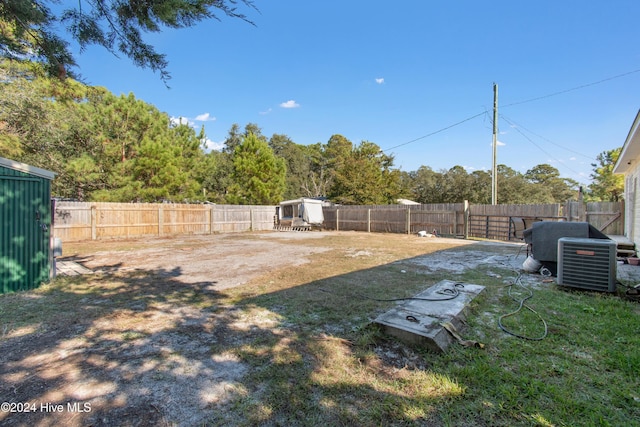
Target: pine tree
(259,176)
(29,28)
(606,186)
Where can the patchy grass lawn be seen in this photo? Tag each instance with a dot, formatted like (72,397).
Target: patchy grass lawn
(295,345)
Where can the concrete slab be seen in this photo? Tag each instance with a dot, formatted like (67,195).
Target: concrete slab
(70,268)
(419,320)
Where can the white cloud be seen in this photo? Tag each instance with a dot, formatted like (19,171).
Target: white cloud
(204,118)
(263,113)
(210,145)
(572,158)
(181,121)
(380,80)
(290,104)
(500,143)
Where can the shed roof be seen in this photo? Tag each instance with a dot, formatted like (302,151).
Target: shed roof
(301,200)
(406,202)
(630,153)
(23,167)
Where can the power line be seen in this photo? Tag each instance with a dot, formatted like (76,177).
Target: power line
(539,148)
(438,131)
(519,126)
(571,90)
(518,103)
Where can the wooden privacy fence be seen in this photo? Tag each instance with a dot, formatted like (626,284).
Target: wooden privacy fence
(499,221)
(607,217)
(74,221)
(447,219)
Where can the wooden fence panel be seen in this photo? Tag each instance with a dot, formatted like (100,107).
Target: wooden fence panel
(330,218)
(388,220)
(353,219)
(489,227)
(445,219)
(441,223)
(607,217)
(125,220)
(184,219)
(263,217)
(542,211)
(494,221)
(574,210)
(74,221)
(365,218)
(231,218)
(227,220)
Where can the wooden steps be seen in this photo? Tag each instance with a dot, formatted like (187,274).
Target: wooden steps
(625,247)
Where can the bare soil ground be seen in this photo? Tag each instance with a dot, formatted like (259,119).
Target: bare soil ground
(151,338)
(215,262)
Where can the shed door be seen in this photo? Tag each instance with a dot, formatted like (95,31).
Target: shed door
(24,225)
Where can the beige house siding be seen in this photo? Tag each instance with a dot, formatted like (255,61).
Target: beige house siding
(628,164)
(631,194)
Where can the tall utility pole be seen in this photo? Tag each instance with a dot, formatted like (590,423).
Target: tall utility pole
(494,168)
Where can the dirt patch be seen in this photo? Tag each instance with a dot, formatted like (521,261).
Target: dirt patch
(150,338)
(223,261)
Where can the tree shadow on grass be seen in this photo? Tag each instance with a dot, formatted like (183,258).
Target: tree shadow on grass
(332,366)
(129,349)
(144,348)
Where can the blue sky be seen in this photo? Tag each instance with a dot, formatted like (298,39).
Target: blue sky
(395,72)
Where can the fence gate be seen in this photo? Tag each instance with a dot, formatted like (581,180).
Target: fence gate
(607,217)
(506,222)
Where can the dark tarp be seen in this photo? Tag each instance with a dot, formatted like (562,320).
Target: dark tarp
(543,237)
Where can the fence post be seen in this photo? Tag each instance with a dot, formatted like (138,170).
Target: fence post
(465,220)
(251,219)
(160,220)
(368,220)
(408,220)
(486,228)
(94,218)
(337,219)
(455,224)
(210,219)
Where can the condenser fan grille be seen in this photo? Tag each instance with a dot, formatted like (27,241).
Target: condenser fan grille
(587,264)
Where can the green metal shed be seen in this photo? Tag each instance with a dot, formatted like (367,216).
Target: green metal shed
(25,226)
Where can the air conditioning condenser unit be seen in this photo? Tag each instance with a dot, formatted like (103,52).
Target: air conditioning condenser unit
(587,263)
